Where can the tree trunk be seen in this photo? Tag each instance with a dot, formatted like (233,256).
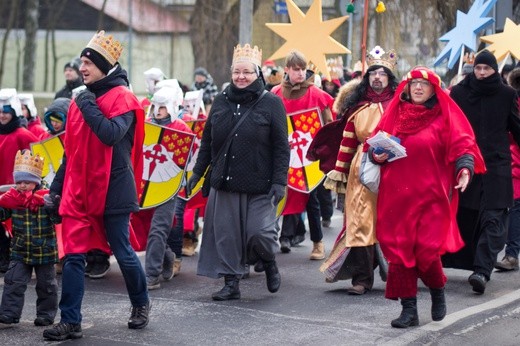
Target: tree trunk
(10,23)
(29,57)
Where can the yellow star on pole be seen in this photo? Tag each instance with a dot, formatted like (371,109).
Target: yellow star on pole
(506,42)
(310,35)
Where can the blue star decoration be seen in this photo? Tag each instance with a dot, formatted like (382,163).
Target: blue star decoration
(465,32)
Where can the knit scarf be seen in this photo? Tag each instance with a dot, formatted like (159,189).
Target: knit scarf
(480,87)
(413,118)
(247,94)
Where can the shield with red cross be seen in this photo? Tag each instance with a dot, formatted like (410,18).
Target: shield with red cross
(165,157)
(303,175)
(197,126)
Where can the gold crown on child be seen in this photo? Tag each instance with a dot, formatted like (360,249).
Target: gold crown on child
(378,56)
(107,46)
(26,162)
(247,54)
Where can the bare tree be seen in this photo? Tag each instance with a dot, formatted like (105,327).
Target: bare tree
(10,23)
(51,64)
(29,57)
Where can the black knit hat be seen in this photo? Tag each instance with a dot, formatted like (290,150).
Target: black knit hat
(97,59)
(73,64)
(487,58)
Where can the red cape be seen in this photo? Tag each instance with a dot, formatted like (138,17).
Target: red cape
(87,171)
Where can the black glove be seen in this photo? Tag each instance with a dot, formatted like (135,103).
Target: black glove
(51,203)
(192,182)
(276,193)
(84,99)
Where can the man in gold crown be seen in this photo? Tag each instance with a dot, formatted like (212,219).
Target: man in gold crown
(245,140)
(355,254)
(34,244)
(98,182)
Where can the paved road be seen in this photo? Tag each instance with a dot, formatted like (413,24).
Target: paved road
(306,311)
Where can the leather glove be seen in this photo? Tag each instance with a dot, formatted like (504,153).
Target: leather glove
(85,98)
(192,182)
(276,193)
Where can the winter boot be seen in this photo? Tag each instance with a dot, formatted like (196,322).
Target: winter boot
(272,276)
(230,289)
(409,316)
(318,251)
(438,304)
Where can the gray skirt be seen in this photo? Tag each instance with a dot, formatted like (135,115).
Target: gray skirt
(239,228)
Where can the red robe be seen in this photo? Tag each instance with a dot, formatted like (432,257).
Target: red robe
(87,174)
(36,128)
(417,201)
(314,97)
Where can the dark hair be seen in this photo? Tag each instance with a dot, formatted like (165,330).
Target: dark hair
(361,89)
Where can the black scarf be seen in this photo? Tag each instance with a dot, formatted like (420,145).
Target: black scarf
(245,95)
(481,87)
(10,126)
(162,122)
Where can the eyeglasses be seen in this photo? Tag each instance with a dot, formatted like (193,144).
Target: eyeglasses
(244,73)
(377,73)
(422,82)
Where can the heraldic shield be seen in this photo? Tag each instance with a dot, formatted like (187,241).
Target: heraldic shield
(165,157)
(303,175)
(51,149)
(197,126)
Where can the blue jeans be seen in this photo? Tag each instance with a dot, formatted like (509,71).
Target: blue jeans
(513,233)
(73,275)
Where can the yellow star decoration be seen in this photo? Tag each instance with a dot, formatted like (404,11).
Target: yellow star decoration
(310,35)
(504,43)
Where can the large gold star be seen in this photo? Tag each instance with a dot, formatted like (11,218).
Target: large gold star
(310,35)
(505,42)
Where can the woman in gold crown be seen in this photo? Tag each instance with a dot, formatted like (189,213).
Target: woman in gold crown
(245,141)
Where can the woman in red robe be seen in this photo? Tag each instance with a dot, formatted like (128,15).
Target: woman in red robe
(418,197)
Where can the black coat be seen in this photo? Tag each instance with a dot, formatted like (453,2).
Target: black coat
(492,116)
(258,155)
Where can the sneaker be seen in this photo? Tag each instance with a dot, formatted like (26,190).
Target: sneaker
(139,317)
(4,319)
(63,331)
(177,266)
(325,223)
(478,282)
(99,270)
(43,322)
(318,251)
(507,263)
(152,283)
(167,272)
(285,245)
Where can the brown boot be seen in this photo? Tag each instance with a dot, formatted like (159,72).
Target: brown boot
(318,251)
(188,247)
(177,266)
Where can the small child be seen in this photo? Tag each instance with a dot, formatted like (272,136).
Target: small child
(33,245)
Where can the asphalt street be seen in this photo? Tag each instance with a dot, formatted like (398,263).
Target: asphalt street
(305,311)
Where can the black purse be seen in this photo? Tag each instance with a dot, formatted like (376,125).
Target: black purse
(206,184)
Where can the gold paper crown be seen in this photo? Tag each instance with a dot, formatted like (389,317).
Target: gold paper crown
(378,56)
(469,58)
(107,46)
(247,54)
(335,67)
(26,162)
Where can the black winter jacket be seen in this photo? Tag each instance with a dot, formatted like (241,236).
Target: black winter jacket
(117,132)
(258,155)
(492,114)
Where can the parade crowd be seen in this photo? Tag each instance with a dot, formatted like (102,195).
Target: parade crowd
(251,167)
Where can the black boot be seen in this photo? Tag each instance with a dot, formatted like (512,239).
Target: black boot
(230,289)
(408,317)
(438,304)
(272,276)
